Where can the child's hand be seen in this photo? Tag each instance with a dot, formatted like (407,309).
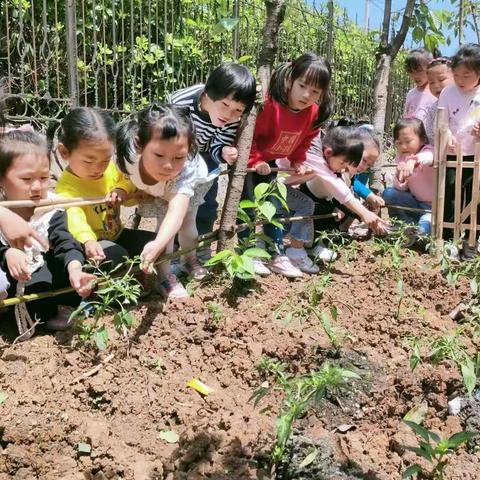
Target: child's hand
(452,145)
(302,169)
(81,281)
(405,169)
(94,251)
(230,154)
(263,168)
(375,201)
(116,196)
(376,224)
(476,130)
(151,251)
(18,265)
(18,233)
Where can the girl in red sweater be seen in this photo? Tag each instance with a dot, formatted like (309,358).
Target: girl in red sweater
(298,101)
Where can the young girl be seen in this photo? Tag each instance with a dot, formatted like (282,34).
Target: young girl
(341,150)
(87,144)
(24,175)
(439,73)
(462,102)
(157,151)
(418,99)
(299,100)
(414,178)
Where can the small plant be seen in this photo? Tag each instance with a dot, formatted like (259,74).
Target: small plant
(391,247)
(115,294)
(447,347)
(335,334)
(299,394)
(239,262)
(432,448)
(217,315)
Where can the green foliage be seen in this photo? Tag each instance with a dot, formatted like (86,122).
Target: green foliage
(299,394)
(238,262)
(118,290)
(217,315)
(433,449)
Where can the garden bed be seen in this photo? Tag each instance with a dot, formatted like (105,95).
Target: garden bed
(57,423)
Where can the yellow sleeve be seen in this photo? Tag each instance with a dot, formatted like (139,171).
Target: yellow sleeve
(120,181)
(78,225)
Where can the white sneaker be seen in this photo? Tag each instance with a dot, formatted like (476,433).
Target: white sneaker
(281,264)
(260,268)
(304,264)
(321,252)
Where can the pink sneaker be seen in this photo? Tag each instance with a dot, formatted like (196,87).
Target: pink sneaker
(281,264)
(171,287)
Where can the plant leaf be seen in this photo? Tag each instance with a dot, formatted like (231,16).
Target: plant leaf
(169,436)
(458,438)
(3,397)
(260,190)
(256,252)
(309,459)
(469,375)
(219,257)
(100,338)
(419,430)
(268,210)
(411,471)
(248,204)
(419,452)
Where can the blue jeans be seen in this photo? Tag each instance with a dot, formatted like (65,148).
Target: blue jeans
(393,196)
(300,204)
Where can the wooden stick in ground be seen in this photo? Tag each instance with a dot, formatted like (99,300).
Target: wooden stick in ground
(475,197)
(458,196)
(441,140)
(94,370)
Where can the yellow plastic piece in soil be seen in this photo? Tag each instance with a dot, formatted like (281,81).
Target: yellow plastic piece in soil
(200,386)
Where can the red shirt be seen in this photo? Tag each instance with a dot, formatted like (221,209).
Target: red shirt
(281,132)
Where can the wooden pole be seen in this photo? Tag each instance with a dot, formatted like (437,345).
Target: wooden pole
(475,197)
(458,195)
(441,135)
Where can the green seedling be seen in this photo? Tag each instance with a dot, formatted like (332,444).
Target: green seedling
(299,394)
(435,450)
(335,334)
(238,262)
(447,347)
(119,290)
(217,315)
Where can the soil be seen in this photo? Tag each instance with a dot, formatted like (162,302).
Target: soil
(57,425)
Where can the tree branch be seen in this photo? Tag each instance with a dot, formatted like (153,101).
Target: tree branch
(399,39)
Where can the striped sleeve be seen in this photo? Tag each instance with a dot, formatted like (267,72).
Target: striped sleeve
(223,138)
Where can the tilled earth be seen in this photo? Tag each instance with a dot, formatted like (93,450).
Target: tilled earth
(58,423)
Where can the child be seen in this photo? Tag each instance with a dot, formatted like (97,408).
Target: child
(462,102)
(156,149)
(216,109)
(419,98)
(24,175)
(439,73)
(299,100)
(341,150)
(87,143)
(414,178)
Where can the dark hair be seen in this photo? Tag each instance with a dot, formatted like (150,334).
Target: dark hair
(344,141)
(414,123)
(16,143)
(468,55)
(417,59)
(232,79)
(84,123)
(440,61)
(366,133)
(316,71)
(163,121)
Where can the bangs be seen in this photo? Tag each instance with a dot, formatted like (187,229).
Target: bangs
(317,76)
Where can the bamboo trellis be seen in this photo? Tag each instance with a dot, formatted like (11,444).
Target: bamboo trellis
(461,212)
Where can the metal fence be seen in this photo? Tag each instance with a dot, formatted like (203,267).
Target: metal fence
(121,54)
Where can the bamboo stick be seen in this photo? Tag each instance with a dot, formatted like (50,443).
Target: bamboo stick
(441,134)
(46,202)
(475,196)
(204,240)
(458,195)
(407,209)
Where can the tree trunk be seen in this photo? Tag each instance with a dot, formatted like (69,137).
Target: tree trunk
(380,92)
(275,16)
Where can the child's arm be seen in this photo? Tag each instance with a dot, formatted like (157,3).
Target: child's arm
(221,148)
(374,222)
(299,155)
(176,211)
(17,231)
(363,191)
(69,251)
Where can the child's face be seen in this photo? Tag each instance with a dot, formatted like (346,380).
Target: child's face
(465,78)
(302,95)
(419,77)
(439,77)
(88,159)
(223,111)
(27,178)
(337,163)
(163,160)
(408,142)
(370,156)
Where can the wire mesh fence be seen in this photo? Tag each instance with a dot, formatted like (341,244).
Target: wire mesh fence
(121,54)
